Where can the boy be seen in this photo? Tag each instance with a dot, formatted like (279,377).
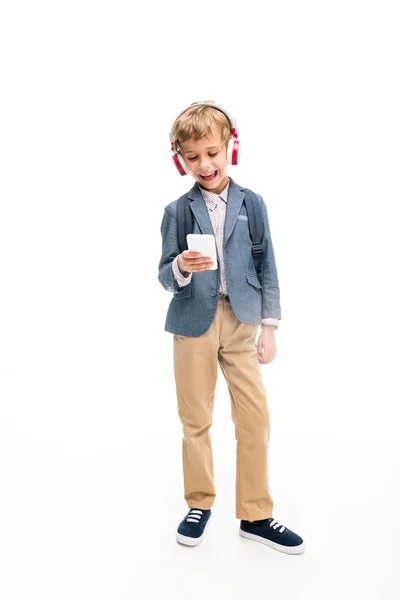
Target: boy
(214,316)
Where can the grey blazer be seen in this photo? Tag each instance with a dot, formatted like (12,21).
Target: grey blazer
(193,307)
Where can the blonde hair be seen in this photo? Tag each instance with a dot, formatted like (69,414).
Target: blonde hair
(199,122)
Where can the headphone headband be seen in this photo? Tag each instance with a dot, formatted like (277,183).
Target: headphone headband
(216,106)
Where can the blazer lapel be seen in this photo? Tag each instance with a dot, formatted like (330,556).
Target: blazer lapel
(233,206)
(200,210)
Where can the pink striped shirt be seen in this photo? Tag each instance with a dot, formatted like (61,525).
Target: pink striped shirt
(216,204)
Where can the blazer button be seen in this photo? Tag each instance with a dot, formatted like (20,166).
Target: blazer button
(212,293)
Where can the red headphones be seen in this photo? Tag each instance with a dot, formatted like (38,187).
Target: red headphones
(234,147)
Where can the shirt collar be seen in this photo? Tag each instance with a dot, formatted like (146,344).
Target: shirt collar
(211,199)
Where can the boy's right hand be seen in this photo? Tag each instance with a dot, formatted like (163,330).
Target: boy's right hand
(191,262)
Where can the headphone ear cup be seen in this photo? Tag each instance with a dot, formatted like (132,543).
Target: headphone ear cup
(229,152)
(237,148)
(180,164)
(233,151)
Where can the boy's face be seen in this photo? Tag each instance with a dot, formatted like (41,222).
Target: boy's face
(206,161)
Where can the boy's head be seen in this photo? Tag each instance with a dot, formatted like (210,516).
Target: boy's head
(201,135)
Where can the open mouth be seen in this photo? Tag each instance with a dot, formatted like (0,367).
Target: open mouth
(209,176)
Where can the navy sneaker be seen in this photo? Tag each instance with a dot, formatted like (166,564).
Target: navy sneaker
(191,529)
(272,533)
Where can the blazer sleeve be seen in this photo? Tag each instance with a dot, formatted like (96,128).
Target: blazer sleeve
(271,307)
(170,250)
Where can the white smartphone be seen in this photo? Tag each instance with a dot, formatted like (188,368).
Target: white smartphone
(205,244)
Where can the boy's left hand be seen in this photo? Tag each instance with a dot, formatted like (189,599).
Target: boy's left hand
(266,345)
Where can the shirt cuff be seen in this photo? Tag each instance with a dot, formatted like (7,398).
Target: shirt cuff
(181,279)
(271,321)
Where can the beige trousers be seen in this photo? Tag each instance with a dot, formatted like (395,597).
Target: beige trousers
(232,344)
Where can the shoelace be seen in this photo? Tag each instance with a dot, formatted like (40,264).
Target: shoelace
(194,516)
(274,524)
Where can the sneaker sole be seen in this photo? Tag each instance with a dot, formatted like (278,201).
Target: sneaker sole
(189,541)
(286,549)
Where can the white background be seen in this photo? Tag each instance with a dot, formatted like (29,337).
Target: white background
(91,486)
